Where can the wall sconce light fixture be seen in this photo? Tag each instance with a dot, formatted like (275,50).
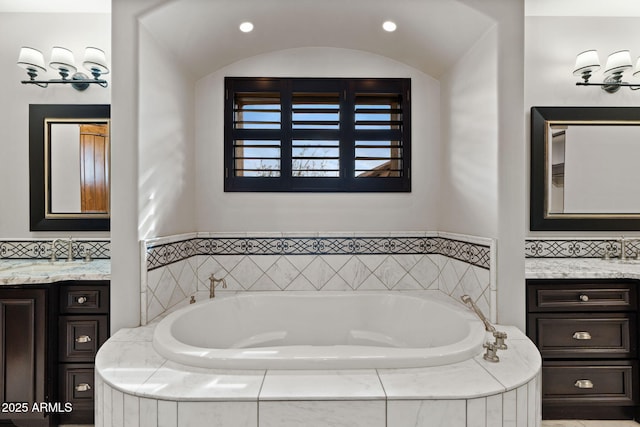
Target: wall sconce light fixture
(617,63)
(62,61)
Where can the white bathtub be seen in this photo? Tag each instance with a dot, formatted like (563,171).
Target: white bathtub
(319,330)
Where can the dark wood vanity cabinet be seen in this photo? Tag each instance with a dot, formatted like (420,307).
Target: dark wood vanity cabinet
(49,337)
(586,331)
(25,377)
(83,326)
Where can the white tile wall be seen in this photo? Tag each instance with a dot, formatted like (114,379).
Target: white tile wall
(477,413)
(218,414)
(423,413)
(167,414)
(322,414)
(517,407)
(165,287)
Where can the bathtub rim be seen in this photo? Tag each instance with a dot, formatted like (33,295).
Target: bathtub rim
(130,350)
(465,349)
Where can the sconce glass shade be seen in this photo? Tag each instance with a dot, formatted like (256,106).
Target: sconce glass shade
(31,59)
(95,60)
(637,72)
(617,62)
(62,59)
(586,62)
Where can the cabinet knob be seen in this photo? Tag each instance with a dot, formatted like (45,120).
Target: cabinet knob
(583,384)
(81,300)
(584,298)
(581,335)
(83,338)
(83,387)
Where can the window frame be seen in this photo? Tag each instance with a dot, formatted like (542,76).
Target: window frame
(346,133)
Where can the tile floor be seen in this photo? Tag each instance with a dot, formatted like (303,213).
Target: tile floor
(590,423)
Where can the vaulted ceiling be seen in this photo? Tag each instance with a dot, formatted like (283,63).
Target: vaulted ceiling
(203,34)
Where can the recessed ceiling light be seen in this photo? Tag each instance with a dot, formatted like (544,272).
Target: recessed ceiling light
(246,27)
(389,26)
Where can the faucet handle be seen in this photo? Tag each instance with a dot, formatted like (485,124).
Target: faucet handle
(499,342)
(53,250)
(491,355)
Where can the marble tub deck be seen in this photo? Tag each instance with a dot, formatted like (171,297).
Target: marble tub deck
(137,386)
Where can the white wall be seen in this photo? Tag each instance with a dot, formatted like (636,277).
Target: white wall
(166,161)
(511,189)
(469,185)
(220,211)
(41,31)
(126,179)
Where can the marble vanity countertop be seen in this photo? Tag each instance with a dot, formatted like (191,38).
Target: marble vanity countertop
(581,268)
(33,271)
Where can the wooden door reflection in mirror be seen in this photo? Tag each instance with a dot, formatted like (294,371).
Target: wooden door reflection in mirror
(94,168)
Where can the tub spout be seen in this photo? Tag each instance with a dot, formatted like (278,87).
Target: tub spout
(499,336)
(212,286)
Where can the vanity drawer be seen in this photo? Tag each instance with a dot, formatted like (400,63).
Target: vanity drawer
(81,337)
(76,386)
(84,299)
(571,295)
(589,383)
(610,335)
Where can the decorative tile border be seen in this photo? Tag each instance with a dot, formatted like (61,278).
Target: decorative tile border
(176,267)
(575,248)
(162,254)
(41,249)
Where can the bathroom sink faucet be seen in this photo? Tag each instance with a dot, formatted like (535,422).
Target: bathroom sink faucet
(212,285)
(69,248)
(624,249)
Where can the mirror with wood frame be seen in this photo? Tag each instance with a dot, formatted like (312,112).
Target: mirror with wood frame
(69,167)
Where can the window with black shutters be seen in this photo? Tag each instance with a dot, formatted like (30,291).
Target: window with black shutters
(317,134)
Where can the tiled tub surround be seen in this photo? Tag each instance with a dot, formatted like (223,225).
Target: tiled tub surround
(176,267)
(138,387)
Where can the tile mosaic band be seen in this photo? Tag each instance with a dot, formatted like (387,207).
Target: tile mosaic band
(575,248)
(41,249)
(167,253)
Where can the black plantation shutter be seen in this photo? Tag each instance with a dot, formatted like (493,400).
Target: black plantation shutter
(317,134)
